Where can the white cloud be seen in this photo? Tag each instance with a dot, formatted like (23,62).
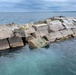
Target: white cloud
(40,5)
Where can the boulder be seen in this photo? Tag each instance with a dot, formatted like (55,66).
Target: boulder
(55,25)
(4,44)
(37,43)
(40,27)
(15,42)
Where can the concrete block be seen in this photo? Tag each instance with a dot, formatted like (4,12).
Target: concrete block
(15,42)
(40,33)
(48,20)
(37,43)
(19,33)
(69,25)
(6,34)
(55,25)
(40,27)
(74,31)
(29,31)
(6,31)
(4,44)
(66,32)
(55,35)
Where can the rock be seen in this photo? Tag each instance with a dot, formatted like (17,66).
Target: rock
(59,17)
(11,26)
(48,20)
(40,33)
(29,38)
(74,31)
(55,25)
(28,30)
(74,19)
(6,31)
(19,33)
(53,36)
(66,33)
(15,42)
(69,25)
(37,43)
(40,27)
(4,44)
(6,34)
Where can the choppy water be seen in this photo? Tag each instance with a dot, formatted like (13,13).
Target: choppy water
(57,59)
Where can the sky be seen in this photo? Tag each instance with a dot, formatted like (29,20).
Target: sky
(37,5)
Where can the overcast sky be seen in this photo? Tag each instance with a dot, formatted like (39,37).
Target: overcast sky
(37,5)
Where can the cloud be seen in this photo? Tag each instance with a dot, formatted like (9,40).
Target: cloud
(37,6)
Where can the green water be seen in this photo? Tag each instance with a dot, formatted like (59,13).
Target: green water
(57,59)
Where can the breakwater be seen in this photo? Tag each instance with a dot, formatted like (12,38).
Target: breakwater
(37,34)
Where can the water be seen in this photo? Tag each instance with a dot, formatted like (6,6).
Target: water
(57,59)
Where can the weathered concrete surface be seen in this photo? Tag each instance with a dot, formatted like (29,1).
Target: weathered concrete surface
(37,43)
(74,31)
(68,24)
(40,27)
(28,29)
(40,33)
(4,44)
(55,25)
(48,20)
(55,35)
(6,31)
(66,33)
(19,33)
(30,37)
(15,42)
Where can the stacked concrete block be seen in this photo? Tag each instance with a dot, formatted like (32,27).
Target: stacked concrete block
(55,25)
(37,43)
(66,33)
(15,42)
(74,31)
(40,33)
(48,20)
(39,27)
(55,36)
(4,44)
(19,33)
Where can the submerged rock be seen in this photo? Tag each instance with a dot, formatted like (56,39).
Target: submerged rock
(37,43)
